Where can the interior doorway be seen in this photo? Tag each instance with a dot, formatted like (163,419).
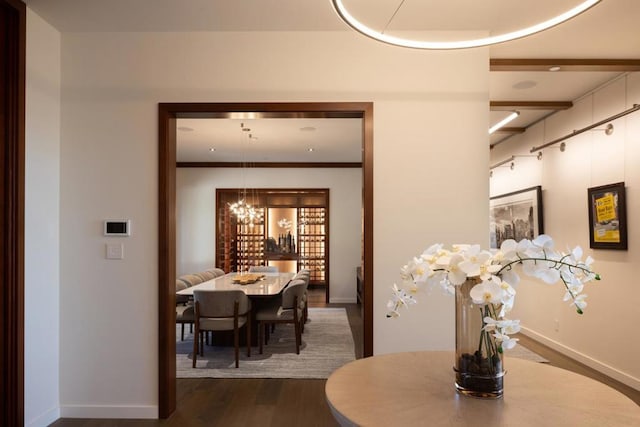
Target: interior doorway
(168,115)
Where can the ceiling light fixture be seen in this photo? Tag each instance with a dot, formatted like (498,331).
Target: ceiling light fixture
(380,36)
(244,212)
(554,68)
(503,122)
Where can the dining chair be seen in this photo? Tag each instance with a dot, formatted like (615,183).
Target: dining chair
(286,310)
(217,272)
(206,275)
(304,304)
(184,308)
(263,269)
(227,310)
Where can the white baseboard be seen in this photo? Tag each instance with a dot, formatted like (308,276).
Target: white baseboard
(342,300)
(610,371)
(98,411)
(45,419)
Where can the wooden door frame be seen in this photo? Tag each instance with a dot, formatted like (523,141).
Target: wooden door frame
(12,136)
(167,115)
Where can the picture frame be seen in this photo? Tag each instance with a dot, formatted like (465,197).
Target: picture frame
(516,215)
(607,217)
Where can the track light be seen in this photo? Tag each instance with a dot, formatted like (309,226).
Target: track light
(503,122)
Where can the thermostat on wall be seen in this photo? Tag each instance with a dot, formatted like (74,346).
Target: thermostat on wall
(113,227)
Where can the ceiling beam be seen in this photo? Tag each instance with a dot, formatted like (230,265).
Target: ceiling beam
(529,105)
(511,130)
(542,64)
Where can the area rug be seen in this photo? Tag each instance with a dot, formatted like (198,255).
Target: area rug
(327,344)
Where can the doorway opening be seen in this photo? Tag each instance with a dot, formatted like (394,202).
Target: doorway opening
(169,113)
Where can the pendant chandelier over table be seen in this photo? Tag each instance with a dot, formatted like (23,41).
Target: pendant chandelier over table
(245,212)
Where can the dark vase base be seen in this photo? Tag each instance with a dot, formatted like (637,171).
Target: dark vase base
(479,377)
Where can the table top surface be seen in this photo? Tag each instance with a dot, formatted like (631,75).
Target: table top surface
(417,388)
(271,284)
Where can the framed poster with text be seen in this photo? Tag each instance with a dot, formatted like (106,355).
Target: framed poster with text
(607,217)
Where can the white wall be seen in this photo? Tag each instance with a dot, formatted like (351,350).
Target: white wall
(196,216)
(605,337)
(430,121)
(42,216)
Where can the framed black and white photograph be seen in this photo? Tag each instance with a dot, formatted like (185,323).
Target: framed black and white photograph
(607,217)
(516,215)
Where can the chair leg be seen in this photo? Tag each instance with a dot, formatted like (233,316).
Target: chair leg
(261,327)
(182,332)
(298,337)
(195,348)
(236,345)
(248,326)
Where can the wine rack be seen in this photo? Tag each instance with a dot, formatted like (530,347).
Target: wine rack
(239,246)
(312,243)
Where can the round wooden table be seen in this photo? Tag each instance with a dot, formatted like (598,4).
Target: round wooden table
(417,389)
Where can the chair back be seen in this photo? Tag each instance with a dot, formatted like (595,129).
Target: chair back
(263,269)
(191,279)
(295,288)
(217,272)
(206,275)
(302,276)
(220,303)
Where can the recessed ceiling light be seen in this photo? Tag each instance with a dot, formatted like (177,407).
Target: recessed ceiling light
(554,68)
(525,84)
(185,129)
(307,129)
(212,149)
(310,149)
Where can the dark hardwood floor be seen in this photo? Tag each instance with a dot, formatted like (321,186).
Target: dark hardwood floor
(285,402)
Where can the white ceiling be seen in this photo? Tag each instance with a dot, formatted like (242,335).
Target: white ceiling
(608,30)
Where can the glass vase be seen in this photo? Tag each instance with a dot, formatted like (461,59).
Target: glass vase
(479,363)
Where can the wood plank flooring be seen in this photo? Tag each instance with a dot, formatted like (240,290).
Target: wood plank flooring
(285,402)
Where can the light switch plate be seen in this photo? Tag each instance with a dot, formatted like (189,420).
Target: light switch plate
(115,251)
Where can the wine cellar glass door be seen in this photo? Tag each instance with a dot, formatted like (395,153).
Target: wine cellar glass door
(291,233)
(312,243)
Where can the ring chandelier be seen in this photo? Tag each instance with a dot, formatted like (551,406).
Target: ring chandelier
(460,44)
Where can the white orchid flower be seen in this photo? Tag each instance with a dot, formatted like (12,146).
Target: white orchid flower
(399,298)
(486,292)
(455,274)
(579,302)
(507,343)
(543,241)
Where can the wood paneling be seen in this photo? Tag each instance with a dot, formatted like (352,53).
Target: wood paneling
(269,165)
(12,128)
(529,105)
(168,112)
(565,64)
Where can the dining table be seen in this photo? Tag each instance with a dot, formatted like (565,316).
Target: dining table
(261,293)
(269,285)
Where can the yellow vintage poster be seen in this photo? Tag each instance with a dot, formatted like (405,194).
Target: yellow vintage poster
(606,228)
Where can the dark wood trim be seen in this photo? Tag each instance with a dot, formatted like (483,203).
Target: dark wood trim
(529,105)
(167,262)
(269,165)
(12,167)
(565,64)
(511,130)
(367,179)
(168,112)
